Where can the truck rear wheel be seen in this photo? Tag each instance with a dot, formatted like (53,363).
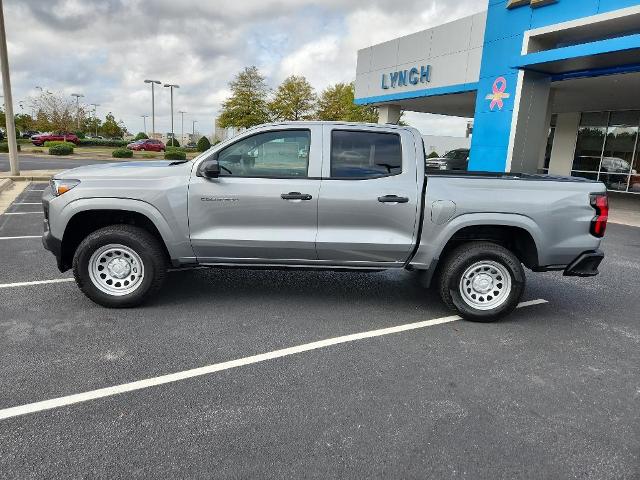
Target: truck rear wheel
(483,281)
(119,266)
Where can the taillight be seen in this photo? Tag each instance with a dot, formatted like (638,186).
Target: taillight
(600,202)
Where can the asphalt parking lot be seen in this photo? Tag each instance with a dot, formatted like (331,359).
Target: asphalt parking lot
(551,392)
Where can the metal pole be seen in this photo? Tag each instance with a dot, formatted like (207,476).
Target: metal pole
(95,117)
(182,112)
(153,110)
(77,95)
(171,86)
(6,84)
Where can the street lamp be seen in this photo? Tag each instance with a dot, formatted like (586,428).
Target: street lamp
(153,104)
(78,97)
(95,109)
(182,112)
(171,87)
(144,120)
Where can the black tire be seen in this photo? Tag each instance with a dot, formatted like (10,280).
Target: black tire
(465,256)
(145,245)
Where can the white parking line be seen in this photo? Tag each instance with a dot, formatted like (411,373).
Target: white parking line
(27,203)
(37,282)
(22,213)
(23,236)
(217,367)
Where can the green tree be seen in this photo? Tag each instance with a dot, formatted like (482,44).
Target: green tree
(336,103)
(433,155)
(141,136)
(203,144)
(294,100)
(247,105)
(110,128)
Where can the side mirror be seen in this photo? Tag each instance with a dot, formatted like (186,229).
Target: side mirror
(209,169)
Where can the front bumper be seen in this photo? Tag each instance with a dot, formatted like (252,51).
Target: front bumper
(586,265)
(51,243)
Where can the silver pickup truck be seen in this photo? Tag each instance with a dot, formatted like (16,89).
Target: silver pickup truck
(319,195)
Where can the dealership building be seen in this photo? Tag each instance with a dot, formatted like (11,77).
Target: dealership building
(552,85)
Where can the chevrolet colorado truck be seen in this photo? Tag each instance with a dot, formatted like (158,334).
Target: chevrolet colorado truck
(321,195)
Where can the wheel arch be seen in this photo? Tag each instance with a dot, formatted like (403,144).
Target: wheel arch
(81,218)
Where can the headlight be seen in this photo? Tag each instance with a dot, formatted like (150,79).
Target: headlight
(60,186)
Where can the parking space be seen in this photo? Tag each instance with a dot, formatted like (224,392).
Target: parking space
(553,391)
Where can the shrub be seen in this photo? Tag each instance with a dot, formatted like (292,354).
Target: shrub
(174,149)
(61,149)
(175,155)
(4,147)
(203,144)
(101,142)
(80,134)
(122,153)
(141,136)
(172,142)
(53,143)
(433,155)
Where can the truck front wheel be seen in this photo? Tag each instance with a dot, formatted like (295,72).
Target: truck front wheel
(483,281)
(119,266)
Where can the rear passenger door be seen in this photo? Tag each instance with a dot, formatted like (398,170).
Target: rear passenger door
(369,196)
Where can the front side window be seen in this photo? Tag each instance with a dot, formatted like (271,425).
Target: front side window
(282,154)
(359,154)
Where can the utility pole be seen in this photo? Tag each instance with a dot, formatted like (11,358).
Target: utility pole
(95,117)
(8,101)
(78,96)
(171,87)
(182,112)
(144,122)
(153,104)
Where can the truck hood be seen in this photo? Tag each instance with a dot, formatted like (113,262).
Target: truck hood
(122,169)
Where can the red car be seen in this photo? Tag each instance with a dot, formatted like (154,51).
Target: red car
(38,140)
(148,145)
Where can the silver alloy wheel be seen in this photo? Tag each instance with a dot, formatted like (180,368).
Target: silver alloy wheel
(116,269)
(485,285)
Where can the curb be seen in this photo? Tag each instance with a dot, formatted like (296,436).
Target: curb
(26,178)
(5,184)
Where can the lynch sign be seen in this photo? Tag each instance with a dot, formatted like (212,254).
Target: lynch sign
(403,78)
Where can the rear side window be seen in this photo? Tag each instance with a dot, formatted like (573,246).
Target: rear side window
(358,154)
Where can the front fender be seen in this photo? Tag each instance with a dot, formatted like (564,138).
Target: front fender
(171,229)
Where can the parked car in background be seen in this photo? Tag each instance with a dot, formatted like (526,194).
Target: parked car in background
(457,159)
(147,145)
(38,140)
(29,133)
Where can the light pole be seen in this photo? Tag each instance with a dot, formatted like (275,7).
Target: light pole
(78,97)
(171,87)
(153,104)
(144,122)
(6,85)
(95,117)
(182,112)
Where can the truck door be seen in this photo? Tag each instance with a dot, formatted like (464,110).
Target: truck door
(369,196)
(263,208)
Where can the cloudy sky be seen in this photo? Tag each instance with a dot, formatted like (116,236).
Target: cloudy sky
(104,49)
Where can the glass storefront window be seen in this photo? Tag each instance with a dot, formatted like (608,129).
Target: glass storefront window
(550,138)
(607,149)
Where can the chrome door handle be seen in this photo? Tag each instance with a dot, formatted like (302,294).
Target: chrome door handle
(296,196)
(392,199)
